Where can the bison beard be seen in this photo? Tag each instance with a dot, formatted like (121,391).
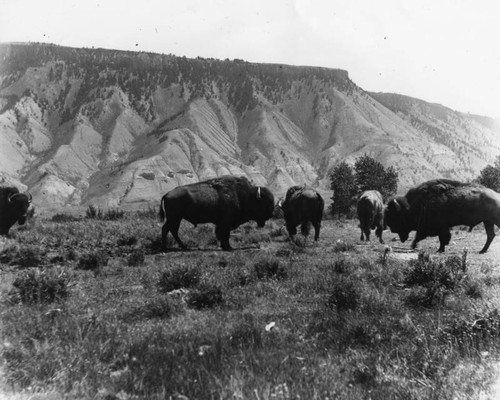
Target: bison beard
(14,208)
(433,207)
(303,206)
(370,209)
(227,201)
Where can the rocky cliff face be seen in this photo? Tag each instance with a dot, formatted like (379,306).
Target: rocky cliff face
(81,126)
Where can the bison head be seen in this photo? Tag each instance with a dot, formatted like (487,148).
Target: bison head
(397,217)
(262,205)
(19,204)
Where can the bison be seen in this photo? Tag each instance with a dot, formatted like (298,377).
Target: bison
(435,206)
(302,206)
(370,210)
(13,208)
(227,201)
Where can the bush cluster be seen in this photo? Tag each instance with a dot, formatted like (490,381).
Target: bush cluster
(41,286)
(178,277)
(436,278)
(112,214)
(270,268)
(205,296)
(93,261)
(61,217)
(28,256)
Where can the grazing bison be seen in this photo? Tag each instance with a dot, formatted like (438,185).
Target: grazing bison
(13,208)
(437,205)
(302,206)
(227,201)
(370,209)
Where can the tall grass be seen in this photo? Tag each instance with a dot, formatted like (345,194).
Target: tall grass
(324,321)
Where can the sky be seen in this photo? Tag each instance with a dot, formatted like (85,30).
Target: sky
(441,51)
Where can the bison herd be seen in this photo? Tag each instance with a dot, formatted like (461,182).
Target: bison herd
(430,209)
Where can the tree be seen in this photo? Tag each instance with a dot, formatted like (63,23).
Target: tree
(343,184)
(490,176)
(371,175)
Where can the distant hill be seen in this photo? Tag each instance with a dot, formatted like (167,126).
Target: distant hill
(108,127)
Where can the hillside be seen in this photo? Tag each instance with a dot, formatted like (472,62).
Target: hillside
(81,126)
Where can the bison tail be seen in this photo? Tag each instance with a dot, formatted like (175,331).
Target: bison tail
(162,213)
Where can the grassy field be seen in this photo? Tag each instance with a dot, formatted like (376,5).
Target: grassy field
(93,309)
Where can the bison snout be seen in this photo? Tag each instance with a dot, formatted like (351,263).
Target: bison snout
(261,224)
(22,220)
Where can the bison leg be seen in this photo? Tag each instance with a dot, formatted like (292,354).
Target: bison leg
(164,234)
(418,237)
(444,239)
(305,228)
(222,235)
(378,232)
(317,228)
(490,234)
(172,227)
(367,232)
(292,230)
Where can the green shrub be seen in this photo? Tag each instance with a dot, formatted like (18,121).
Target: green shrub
(61,217)
(244,332)
(345,295)
(473,288)
(437,279)
(9,253)
(40,286)
(127,240)
(474,333)
(29,256)
(149,213)
(93,212)
(179,277)
(243,276)
(424,271)
(93,261)
(270,268)
(136,258)
(155,245)
(112,214)
(343,266)
(206,296)
(159,307)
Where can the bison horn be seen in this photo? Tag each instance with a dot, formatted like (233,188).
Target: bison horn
(280,203)
(9,199)
(258,192)
(397,206)
(30,197)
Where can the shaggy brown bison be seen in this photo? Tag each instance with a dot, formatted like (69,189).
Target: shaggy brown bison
(437,205)
(227,201)
(13,208)
(370,208)
(302,206)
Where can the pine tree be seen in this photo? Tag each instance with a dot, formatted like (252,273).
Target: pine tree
(490,176)
(344,188)
(371,175)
